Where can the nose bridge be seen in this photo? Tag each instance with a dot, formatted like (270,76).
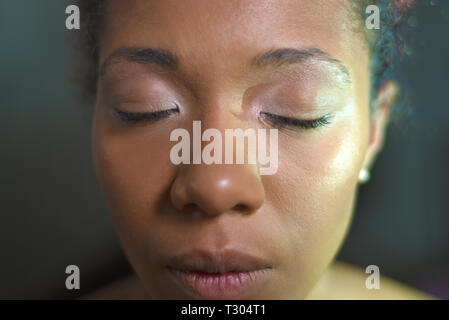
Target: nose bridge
(221,100)
(219,188)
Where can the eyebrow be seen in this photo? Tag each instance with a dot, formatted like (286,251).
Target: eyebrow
(275,58)
(163,58)
(286,56)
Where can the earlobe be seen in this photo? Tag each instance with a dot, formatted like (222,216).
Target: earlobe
(385,99)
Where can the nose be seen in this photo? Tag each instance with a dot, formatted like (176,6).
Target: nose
(218,188)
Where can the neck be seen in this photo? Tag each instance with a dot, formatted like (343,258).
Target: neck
(323,287)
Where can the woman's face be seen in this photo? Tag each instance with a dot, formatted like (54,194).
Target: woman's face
(221,62)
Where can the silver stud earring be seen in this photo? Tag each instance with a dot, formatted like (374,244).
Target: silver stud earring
(364,176)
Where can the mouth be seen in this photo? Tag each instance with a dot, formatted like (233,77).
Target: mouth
(219,275)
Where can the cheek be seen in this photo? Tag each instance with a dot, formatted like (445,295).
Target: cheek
(325,166)
(314,190)
(133,168)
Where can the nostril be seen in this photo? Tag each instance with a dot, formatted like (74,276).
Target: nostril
(241,209)
(217,189)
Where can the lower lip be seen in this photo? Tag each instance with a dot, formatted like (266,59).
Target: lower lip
(228,285)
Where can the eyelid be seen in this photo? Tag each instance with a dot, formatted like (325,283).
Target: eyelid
(282,121)
(145,116)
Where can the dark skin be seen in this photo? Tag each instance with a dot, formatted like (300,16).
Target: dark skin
(295,219)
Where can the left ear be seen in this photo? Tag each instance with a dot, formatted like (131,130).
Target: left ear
(385,99)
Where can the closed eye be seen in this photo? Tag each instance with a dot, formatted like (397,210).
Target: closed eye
(135,117)
(281,121)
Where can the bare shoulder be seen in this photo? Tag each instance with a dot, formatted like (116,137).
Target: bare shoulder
(128,288)
(349,283)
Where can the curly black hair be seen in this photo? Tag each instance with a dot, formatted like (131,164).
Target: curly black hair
(387,45)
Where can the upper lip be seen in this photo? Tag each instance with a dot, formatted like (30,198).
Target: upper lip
(217,261)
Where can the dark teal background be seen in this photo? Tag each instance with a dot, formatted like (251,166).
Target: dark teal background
(52,214)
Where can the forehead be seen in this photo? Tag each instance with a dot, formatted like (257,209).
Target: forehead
(197,28)
(213,37)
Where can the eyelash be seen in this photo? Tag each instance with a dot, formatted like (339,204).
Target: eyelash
(275,120)
(286,122)
(134,117)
